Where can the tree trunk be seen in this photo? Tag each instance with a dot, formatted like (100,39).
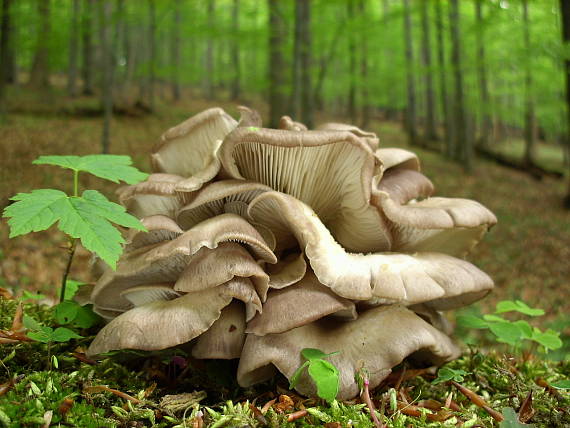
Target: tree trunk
(529,116)
(235,52)
(486,123)
(565,8)
(364,90)
(175,49)
(277,65)
(4,43)
(447,125)
(87,31)
(295,107)
(462,144)
(352,113)
(73,50)
(39,75)
(324,65)
(105,19)
(151,52)
(430,130)
(303,21)
(7,60)
(410,116)
(209,57)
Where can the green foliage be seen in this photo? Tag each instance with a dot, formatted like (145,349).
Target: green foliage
(512,420)
(72,313)
(114,168)
(88,217)
(513,332)
(324,374)
(561,384)
(445,374)
(44,334)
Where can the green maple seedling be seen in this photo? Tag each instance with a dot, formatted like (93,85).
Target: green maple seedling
(324,374)
(87,217)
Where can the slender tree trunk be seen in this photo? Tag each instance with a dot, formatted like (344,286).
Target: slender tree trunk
(151,52)
(87,35)
(430,130)
(410,117)
(235,51)
(304,21)
(486,123)
(352,113)
(7,59)
(277,65)
(73,50)
(388,58)
(295,108)
(324,65)
(175,49)
(565,9)
(529,116)
(4,43)
(105,19)
(364,90)
(39,75)
(447,125)
(463,143)
(209,57)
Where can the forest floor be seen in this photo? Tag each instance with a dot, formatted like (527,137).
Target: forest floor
(527,254)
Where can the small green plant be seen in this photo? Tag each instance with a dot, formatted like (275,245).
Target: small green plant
(445,374)
(324,374)
(513,332)
(87,217)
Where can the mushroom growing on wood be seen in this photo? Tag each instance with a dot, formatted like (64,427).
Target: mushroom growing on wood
(262,242)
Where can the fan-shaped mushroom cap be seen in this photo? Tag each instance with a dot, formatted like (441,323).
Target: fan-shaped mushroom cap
(211,267)
(162,324)
(211,200)
(224,339)
(156,195)
(159,228)
(431,278)
(188,149)
(398,158)
(249,117)
(298,305)
(144,294)
(166,261)
(289,124)
(329,170)
(378,340)
(287,271)
(370,137)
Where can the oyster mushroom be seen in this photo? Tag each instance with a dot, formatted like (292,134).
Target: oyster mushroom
(370,137)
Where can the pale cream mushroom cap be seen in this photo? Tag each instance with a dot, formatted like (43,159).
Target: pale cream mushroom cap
(370,137)
(378,340)
(380,277)
(329,170)
(159,228)
(289,124)
(287,271)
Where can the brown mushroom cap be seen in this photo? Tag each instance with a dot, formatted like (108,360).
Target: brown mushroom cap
(329,170)
(167,260)
(378,340)
(370,137)
(225,338)
(144,294)
(297,305)
(166,323)
(381,277)
(211,267)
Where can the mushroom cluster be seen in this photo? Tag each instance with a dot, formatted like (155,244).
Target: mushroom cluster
(262,242)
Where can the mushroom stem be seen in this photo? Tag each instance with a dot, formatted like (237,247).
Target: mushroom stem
(71,253)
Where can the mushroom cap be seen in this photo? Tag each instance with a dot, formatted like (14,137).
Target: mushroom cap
(329,170)
(211,200)
(287,271)
(289,124)
(210,267)
(165,323)
(370,137)
(165,261)
(155,196)
(144,294)
(159,228)
(430,278)
(297,305)
(225,338)
(249,117)
(189,147)
(378,340)
(393,158)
